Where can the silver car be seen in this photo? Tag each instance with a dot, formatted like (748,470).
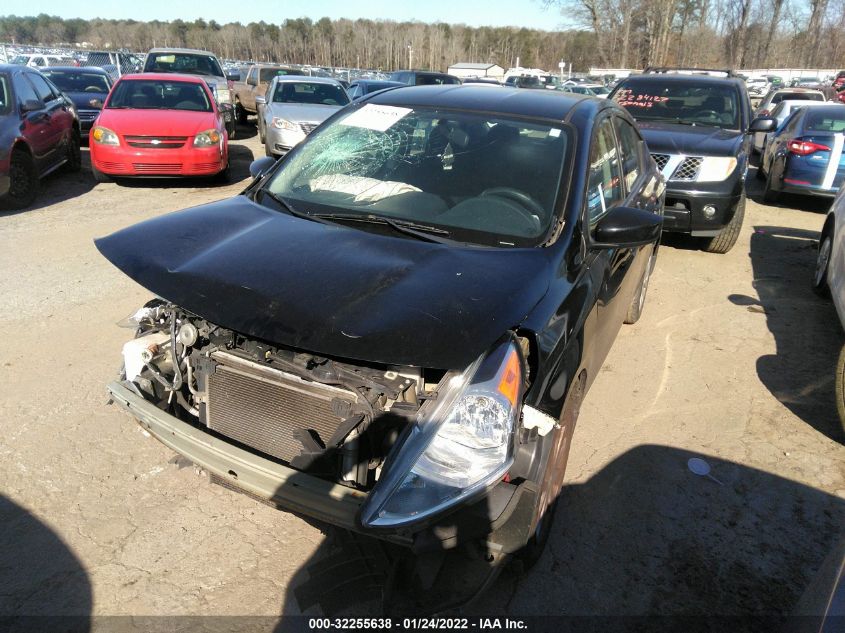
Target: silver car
(293,106)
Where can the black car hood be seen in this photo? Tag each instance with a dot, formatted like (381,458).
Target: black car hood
(82,100)
(330,289)
(671,138)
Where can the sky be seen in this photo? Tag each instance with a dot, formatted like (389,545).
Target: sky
(527,13)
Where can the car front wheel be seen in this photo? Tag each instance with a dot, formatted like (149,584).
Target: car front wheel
(820,286)
(727,237)
(635,310)
(74,153)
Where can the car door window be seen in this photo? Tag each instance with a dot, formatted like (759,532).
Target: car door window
(630,145)
(42,88)
(24,90)
(605,184)
(354,91)
(251,78)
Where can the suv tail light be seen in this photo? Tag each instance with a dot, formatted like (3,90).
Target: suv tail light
(805,148)
(230,84)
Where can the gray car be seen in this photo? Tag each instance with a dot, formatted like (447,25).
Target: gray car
(293,106)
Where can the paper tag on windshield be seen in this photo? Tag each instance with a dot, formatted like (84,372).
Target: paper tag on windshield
(376,117)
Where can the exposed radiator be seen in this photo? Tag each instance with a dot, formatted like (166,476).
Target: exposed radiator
(260,406)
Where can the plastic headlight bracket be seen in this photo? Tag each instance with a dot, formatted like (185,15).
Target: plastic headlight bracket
(460,444)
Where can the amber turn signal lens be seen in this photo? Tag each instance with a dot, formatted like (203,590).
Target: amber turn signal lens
(511,376)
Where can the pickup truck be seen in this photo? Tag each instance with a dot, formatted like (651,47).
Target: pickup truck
(257,78)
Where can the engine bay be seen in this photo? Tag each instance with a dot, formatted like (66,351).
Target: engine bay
(331,418)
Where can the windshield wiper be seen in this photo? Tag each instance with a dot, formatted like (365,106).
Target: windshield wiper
(286,206)
(422,232)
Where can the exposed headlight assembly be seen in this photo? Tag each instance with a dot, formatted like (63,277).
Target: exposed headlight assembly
(459,444)
(284,124)
(716,168)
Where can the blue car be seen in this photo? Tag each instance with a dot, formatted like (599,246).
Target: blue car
(87,87)
(805,155)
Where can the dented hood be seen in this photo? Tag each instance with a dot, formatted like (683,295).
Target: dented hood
(331,289)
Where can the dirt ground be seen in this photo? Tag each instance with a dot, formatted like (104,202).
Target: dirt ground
(733,360)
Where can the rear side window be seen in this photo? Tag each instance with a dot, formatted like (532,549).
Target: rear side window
(824,120)
(42,88)
(5,95)
(605,186)
(24,90)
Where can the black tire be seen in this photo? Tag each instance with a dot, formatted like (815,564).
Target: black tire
(74,153)
(231,128)
(99,176)
(240,113)
(770,196)
(222,177)
(820,286)
(727,237)
(531,552)
(635,310)
(760,174)
(23,180)
(840,385)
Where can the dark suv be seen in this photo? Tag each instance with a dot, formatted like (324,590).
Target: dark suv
(696,128)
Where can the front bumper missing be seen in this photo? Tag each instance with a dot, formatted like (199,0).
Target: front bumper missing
(500,519)
(258,476)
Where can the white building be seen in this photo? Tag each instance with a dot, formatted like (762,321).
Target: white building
(477,70)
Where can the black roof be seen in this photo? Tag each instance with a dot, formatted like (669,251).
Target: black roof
(680,78)
(546,104)
(86,69)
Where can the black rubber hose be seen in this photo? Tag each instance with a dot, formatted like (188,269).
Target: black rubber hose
(177,371)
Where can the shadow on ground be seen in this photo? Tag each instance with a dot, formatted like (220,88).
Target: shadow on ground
(57,187)
(43,586)
(805,327)
(642,537)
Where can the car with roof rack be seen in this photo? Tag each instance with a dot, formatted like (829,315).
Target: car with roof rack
(696,124)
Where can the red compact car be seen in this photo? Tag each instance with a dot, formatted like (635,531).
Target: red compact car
(159,125)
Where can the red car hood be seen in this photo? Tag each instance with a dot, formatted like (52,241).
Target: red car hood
(156,122)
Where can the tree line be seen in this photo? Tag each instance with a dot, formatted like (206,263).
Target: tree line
(609,33)
(715,33)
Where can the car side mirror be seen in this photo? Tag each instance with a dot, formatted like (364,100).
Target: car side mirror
(259,100)
(30,105)
(626,227)
(258,168)
(763,124)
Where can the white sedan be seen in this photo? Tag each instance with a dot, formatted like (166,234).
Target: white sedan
(829,279)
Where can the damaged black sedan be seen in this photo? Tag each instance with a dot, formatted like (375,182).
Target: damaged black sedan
(392,328)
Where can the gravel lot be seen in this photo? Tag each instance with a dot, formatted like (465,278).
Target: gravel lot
(733,360)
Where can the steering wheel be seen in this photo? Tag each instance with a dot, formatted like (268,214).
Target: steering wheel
(710,114)
(526,206)
(93,89)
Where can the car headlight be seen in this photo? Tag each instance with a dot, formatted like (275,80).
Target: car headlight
(716,168)
(104,136)
(207,138)
(459,444)
(284,124)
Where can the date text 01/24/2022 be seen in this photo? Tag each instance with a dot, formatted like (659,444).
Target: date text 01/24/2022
(416,624)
